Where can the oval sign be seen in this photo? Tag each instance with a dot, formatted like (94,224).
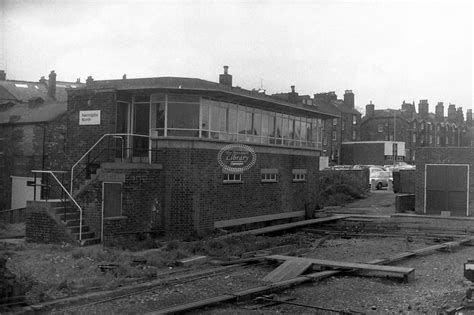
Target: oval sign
(236,157)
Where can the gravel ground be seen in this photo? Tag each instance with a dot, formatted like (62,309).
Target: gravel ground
(439,281)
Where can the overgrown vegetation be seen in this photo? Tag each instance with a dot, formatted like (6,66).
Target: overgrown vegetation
(338,188)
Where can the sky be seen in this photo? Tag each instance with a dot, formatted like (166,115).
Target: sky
(384,51)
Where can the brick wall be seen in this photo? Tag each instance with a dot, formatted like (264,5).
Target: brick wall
(41,227)
(196,197)
(442,156)
(142,201)
(28,147)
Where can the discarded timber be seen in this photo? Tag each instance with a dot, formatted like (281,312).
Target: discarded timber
(288,270)
(286,226)
(408,274)
(282,285)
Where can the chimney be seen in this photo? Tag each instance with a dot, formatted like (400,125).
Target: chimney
(369,110)
(42,80)
(423,108)
(89,80)
(469,117)
(226,78)
(3,75)
(78,80)
(293,96)
(452,113)
(439,111)
(349,98)
(52,85)
(124,77)
(460,115)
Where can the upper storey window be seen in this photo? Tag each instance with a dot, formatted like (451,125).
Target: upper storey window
(175,115)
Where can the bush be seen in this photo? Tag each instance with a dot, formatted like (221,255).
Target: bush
(338,188)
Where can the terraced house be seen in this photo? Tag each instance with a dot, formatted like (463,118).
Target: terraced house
(417,129)
(180,156)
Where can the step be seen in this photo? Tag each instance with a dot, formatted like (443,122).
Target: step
(59,210)
(69,216)
(69,223)
(75,229)
(85,235)
(90,241)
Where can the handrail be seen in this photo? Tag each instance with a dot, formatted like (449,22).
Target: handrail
(93,146)
(69,195)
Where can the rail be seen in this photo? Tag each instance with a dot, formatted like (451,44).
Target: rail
(113,135)
(67,193)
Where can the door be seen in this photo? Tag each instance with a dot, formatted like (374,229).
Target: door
(141,126)
(123,126)
(112,199)
(446,189)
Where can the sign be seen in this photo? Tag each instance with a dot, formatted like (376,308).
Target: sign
(89,117)
(236,157)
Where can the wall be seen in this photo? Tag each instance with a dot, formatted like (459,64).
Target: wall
(196,197)
(442,156)
(363,153)
(41,227)
(28,147)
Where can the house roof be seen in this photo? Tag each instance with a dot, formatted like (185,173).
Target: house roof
(194,84)
(28,102)
(22,91)
(25,113)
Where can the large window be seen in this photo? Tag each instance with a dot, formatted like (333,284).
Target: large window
(194,116)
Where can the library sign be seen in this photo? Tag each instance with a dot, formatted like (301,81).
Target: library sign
(237,157)
(89,117)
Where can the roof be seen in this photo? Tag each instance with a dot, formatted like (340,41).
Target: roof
(22,91)
(346,109)
(28,102)
(194,84)
(401,114)
(23,113)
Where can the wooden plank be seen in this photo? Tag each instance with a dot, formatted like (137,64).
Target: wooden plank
(288,270)
(405,272)
(274,287)
(261,218)
(286,226)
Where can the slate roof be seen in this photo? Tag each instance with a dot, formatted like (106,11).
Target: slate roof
(195,84)
(23,113)
(28,102)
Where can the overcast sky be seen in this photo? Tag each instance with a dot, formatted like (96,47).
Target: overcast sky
(386,52)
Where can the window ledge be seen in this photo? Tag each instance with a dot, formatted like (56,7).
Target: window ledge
(115,218)
(232,182)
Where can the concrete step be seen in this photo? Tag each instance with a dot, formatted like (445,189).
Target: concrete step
(85,235)
(69,216)
(90,241)
(75,229)
(60,210)
(74,222)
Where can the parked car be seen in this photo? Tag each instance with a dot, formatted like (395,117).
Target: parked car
(380,179)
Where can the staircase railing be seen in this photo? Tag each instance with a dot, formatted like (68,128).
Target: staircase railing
(95,158)
(67,194)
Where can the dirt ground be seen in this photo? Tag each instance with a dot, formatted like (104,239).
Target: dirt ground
(60,271)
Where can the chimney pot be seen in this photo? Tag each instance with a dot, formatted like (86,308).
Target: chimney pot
(124,76)
(42,80)
(78,80)
(226,69)
(292,89)
(225,78)
(3,75)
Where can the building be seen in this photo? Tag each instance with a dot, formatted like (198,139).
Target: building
(417,129)
(372,152)
(344,127)
(30,132)
(161,153)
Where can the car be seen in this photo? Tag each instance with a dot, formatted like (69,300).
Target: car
(380,179)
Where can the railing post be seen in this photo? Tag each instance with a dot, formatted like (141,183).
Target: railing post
(34,187)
